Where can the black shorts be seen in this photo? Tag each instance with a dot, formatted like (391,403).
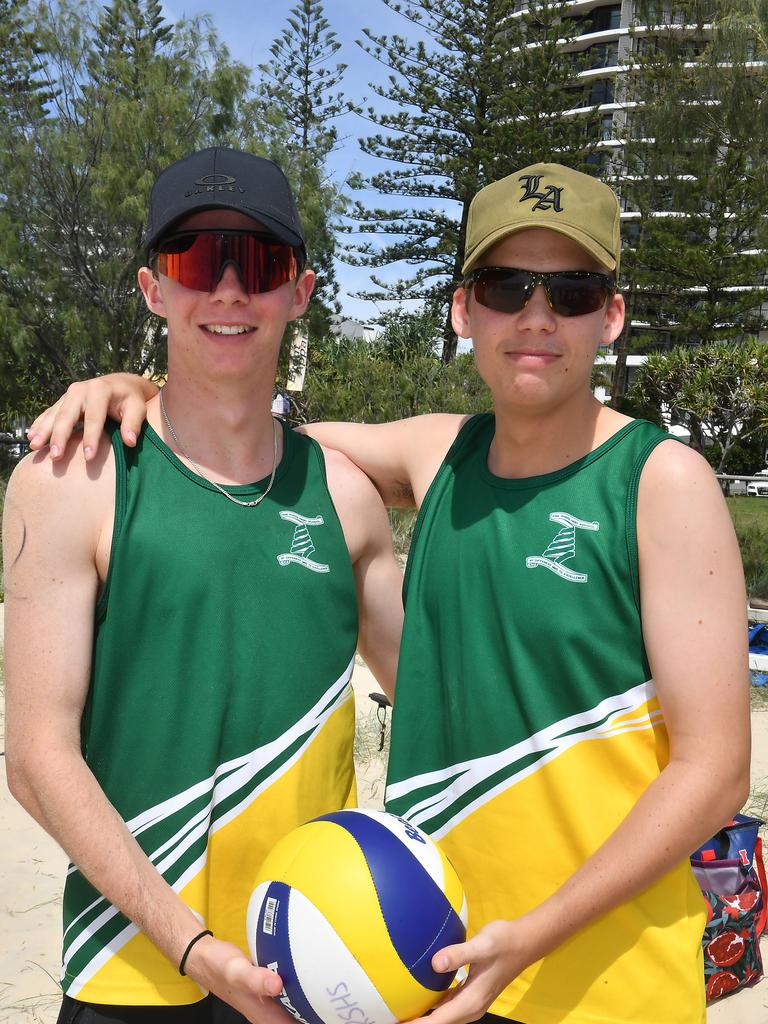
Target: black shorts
(209,1011)
(493,1018)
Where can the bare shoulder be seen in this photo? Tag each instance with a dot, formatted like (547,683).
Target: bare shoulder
(60,500)
(681,508)
(677,477)
(351,490)
(676,463)
(358,504)
(39,477)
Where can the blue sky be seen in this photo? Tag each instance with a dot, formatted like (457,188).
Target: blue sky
(248,30)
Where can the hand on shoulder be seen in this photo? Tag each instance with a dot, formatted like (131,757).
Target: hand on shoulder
(121,396)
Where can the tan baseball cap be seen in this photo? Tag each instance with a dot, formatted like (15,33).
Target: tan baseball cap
(546,196)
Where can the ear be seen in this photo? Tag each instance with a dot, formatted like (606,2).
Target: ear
(150,289)
(302,293)
(460,313)
(614,319)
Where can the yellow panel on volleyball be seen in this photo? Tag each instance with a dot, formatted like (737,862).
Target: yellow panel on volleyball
(331,871)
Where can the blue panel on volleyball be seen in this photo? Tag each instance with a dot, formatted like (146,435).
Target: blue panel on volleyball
(273,948)
(409,920)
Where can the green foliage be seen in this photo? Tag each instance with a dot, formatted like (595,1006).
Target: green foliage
(397,376)
(474,93)
(401,523)
(22,80)
(294,110)
(130,94)
(747,454)
(719,391)
(695,175)
(406,335)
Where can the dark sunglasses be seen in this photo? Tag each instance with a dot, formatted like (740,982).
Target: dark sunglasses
(197,259)
(569,292)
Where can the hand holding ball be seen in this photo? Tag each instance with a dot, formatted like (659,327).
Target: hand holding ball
(349,910)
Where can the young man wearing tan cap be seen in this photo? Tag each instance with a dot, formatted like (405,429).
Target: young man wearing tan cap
(181,623)
(573,659)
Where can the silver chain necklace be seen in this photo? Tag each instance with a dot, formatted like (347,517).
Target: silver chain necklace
(180,446)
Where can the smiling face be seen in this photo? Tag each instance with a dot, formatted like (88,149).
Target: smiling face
(228,332)
(536,360)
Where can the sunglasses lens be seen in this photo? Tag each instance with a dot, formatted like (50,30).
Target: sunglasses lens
(501,290)
(198,259)
(576,296)
(189,260)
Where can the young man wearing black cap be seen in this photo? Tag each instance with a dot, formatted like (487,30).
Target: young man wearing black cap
(180,639)
(575,621)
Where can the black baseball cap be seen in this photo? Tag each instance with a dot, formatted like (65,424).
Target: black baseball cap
(224,179)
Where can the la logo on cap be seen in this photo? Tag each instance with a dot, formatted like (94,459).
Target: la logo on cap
(547,200)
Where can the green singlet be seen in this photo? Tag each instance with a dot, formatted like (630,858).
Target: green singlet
(539,727)
(219,714)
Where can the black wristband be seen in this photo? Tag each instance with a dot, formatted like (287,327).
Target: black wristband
(188,950)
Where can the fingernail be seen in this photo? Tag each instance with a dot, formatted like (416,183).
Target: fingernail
(441,964)
(54,450)
(130,436)
(88,451)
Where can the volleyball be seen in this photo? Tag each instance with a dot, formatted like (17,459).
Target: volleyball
(349,910)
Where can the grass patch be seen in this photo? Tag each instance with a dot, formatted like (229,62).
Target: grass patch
(402,522)
(748,511)
(750,520)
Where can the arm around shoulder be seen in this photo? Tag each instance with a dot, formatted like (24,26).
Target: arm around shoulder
(401,458)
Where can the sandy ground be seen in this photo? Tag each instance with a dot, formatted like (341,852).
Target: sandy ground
(32,868)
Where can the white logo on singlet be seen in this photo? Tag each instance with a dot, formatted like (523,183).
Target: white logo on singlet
(301,545)
(563,547)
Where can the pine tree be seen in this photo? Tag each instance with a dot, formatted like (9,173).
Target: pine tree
(695,179)
(480,94)
(23,89)
(132,93)
(296,106)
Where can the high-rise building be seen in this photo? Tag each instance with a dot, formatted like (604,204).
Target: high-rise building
(604,34)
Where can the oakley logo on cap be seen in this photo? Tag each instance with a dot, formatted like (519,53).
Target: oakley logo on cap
(216,179)
(214,183)
(548,200)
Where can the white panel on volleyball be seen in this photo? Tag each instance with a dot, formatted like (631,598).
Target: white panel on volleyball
(425,852)
(334,983)
(252,917)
